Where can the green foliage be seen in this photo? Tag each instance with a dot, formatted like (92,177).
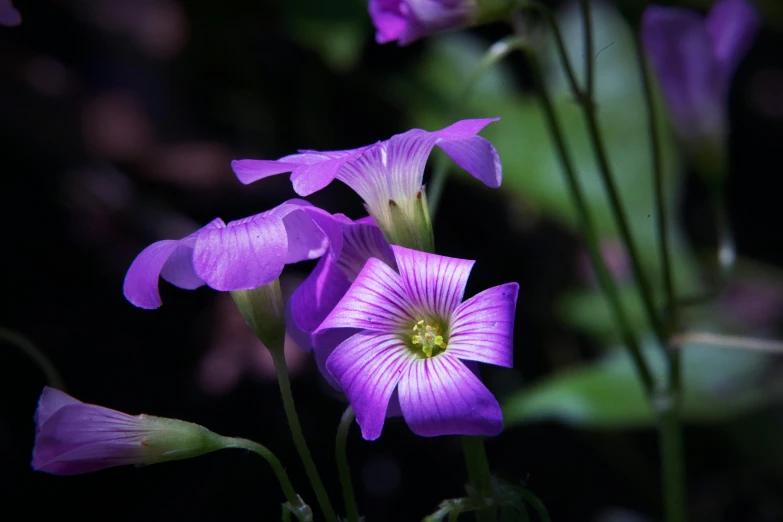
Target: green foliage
(720,383)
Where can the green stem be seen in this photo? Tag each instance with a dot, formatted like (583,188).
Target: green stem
(727,254)
(672,459)
(27,347)
(479,473)
(605,280)
(301,509)
(342,465)
(278,357)
(494,54)
(587,16)
(605,171)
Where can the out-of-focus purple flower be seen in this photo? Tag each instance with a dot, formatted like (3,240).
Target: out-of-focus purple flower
(409,20)
(72,437)
(388,175)
(240,255)
(320,292)
(695,58)
(8,15)
(413,334)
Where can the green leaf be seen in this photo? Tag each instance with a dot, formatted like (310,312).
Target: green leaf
(721,383)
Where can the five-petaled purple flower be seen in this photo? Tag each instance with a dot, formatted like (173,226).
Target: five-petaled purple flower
(409,20)
(72,437)
(695,59)
(413,334)
(240,255)
(388,175)
(320,292)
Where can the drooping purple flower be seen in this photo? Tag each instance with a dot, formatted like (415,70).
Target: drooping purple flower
(8,15)
(695,58)
(72,437)
(240,255)
(320,292)
(413,334)
(388,175)
(409,20)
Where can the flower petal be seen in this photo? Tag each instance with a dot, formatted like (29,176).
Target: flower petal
(312,301)
(375,301)
(141,281)
(434,283)
(482,328)
(732,25)
(368,366)
(681,52)
(441,396)
(478,157)
(51,400)
(361,242)
(243,255)
(178,269)
(306,239)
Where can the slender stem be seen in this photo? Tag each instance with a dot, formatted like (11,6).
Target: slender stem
(278,357)
(727,254)
(36,355)
(605,170)
(479,473)
(530,498)
(587,16)
(497,52)
(282,477)
(342,465)
(672,459)
(605,280)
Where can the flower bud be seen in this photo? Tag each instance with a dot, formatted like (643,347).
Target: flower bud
(72,437)
(264,312)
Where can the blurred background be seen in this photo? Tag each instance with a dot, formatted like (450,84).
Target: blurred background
(119,122)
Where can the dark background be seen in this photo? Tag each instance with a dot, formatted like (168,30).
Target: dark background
(119,121)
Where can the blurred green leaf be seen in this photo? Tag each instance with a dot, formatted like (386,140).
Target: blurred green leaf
(721,383)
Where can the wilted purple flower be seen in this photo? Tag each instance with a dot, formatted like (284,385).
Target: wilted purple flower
(8,15)
(240,255)
(320,292)
(695,58)
(408,20)
(413,335)
(388,175)
(72,437)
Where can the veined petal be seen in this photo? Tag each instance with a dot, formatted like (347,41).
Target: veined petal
(368,366)
(324,344)
(375,301)
(367,174)
(362,241)
(407,156)
(178,269)
(312,301)
(478,157)
(306,239)
(732,25)
(141,281)
(441,396)
(243,255)
(434,283)
(482,328)
(51,400)
(248,170)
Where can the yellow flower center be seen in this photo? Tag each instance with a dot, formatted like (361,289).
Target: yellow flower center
(429,338)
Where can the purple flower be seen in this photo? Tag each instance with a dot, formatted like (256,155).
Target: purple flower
(388,175)
(413,334)
(240,255)
(8,15)
(408,20)
(695,59)
(72,437)
(320,292)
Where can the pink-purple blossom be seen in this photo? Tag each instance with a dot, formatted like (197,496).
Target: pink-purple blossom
(407,20)
(72,437)
(413,334)
(320,292)
(9,16)
(387,175)
(695,59)
(241,255)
